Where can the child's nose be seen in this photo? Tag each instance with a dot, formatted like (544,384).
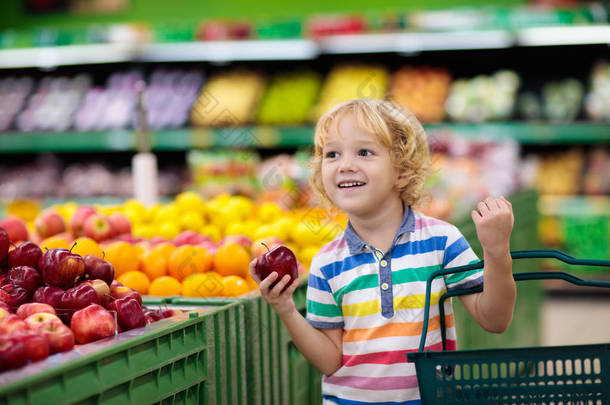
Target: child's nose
(346,165)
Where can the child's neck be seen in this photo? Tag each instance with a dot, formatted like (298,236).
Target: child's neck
(379,229)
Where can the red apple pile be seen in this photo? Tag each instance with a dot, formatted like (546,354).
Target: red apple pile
(50,301)
(85,221)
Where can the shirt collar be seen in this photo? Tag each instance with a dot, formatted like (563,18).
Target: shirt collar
(355,244)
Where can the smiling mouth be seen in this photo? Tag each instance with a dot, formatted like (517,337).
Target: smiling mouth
(351,184)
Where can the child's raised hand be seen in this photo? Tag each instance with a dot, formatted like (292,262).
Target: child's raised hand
(281,302)
(494,221)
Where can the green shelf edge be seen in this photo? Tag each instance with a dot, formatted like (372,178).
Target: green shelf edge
(276,136)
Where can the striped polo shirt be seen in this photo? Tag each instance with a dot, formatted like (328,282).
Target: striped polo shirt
(377,299)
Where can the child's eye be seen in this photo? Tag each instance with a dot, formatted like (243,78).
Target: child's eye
(331,155)
(364,152)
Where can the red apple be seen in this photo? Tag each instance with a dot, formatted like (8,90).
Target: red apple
(48,295)
(92,323)
(36,346)
(78,219)
(11,323)
(122,291)
(97,227)
(26,254)
(128,312)
(15,228)
(5,244)
(25,277)
(61,268)
(169,312)
(115,283)
(189,238)
(12,353)
(36,321)
(158,239)
(4,306)
(258,246)
(77,298)
(60,337)
(280,260)
(48,223)
(101,288)
(119,223)
(13,295)
(97,268)
(31,308)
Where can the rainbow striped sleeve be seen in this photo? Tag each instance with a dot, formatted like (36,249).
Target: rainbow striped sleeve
(458,253)
(323,311)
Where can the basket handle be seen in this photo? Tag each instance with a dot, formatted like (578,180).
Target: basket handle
(516,254)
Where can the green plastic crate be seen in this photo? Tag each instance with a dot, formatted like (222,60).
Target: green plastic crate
(197,360)
(277,372)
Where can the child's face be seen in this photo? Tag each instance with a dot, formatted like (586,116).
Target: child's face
(357,171)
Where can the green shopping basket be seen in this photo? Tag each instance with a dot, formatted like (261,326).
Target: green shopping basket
(578,374)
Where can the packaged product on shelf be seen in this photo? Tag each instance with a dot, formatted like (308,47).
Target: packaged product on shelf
(284,180)
(111,107)
(54,103)
(169,96)
(596,179)
(228,99)
(13,93)
(220,172)
(422,90)
(347,82)
(483,98)
(560,172)
(597,102)
(289,97)
(562,101)
(465,172)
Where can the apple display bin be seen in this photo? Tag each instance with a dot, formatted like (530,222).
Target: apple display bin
(196,358)
(555,374)
(277,372)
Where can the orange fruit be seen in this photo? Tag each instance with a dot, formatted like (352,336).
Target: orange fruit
(234,286)
(53,242)
(136,280)
(153,264)
(202,285)
(186,260)
(165,248)
(87,246)
(232,260)
(251,283)
(123,256)
(165,286)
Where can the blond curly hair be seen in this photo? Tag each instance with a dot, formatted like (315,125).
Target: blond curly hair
(395,127)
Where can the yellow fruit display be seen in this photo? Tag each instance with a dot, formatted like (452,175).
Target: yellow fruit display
(186,260)
(231,260)
(123,256)
(234,286)
(86,246)
(202,285)
(165,286)
(54,242)
(136,280)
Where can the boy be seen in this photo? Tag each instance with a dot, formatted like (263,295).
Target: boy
(366,287)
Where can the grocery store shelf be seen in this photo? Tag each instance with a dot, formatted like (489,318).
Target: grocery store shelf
(302,48)
(574,205)
(528,133)
(271,137)
(222,51)
(571,35)
(49,57)
(416,42)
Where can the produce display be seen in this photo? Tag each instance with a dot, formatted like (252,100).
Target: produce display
(422,90)
(49,176)
(52,299)
(228,99)
(483,98)
(346,82)
(13,94)
(597,103)
(53,104)
(289,98)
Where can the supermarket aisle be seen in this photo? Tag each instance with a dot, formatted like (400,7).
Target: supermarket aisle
(569,320)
